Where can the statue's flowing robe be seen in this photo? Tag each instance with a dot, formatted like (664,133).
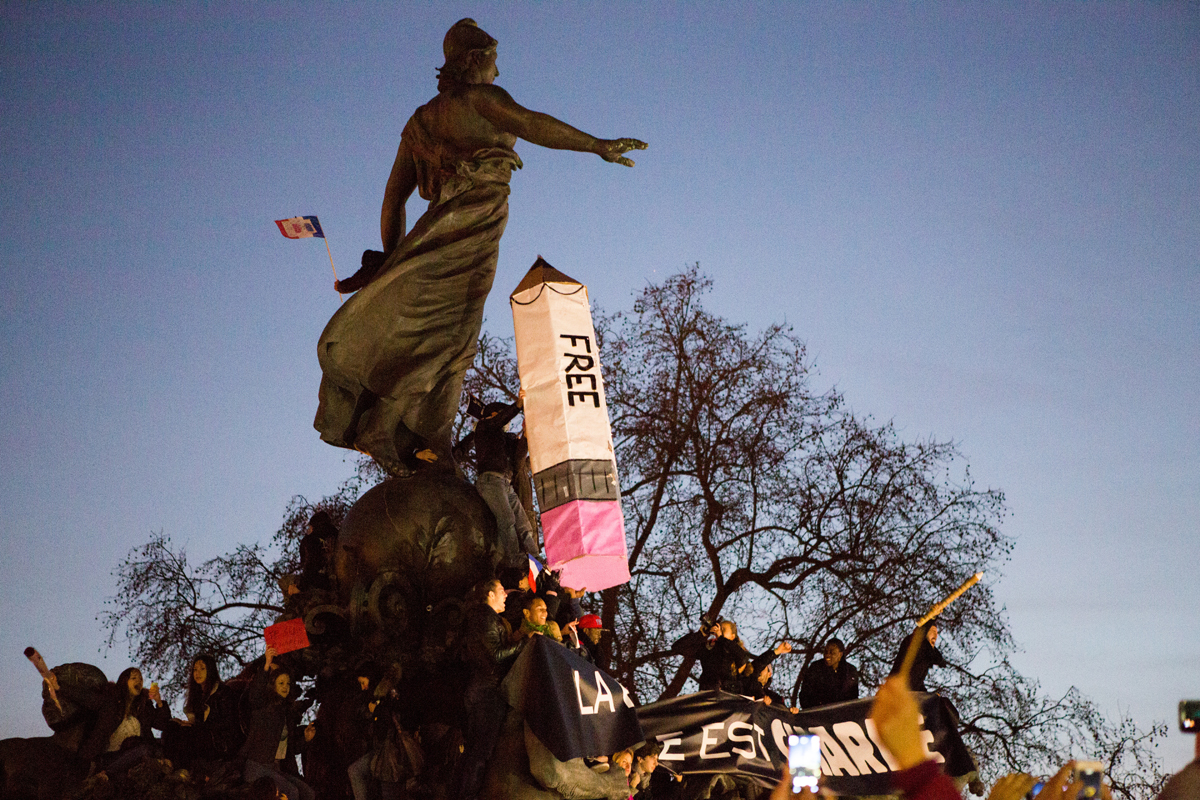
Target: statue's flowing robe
(394,355)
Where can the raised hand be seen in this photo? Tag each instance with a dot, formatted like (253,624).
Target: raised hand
(1054,787)
(613,150)
(1012,787)
(895,713)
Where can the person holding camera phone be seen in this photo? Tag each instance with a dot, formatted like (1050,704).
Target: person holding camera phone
(1186,782)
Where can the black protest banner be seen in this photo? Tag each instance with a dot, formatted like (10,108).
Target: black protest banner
(717,732)
(573,708)
(712,732)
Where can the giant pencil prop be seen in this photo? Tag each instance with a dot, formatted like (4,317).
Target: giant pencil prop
(566,422)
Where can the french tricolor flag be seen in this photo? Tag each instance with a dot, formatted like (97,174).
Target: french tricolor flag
(535,569)
(300,228)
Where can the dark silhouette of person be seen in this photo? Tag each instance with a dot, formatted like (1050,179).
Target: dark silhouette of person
(315,547)
(831,679)
(497,456)
(489,654)
(927,658)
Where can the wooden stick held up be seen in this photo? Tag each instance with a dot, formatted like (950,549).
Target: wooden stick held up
(922,631)
(40,664)
(957,593)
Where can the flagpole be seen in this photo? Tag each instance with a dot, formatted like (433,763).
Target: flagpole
(335,277)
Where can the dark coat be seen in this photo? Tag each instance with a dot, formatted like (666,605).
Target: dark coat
(486,646)
(746,683)
(663,786)
(220,733)
(927,657)
(752,688)
(270,715)
(822,685)
(586,650)
(109,704)
(720,665)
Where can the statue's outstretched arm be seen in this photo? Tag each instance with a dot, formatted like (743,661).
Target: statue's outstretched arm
(497,107)
(400,186)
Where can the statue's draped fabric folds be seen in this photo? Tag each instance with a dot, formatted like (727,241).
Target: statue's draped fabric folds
(394,355)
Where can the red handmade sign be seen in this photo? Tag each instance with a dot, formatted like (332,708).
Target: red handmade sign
(286,636)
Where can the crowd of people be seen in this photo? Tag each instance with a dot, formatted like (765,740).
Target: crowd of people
(248,732)
(255,728)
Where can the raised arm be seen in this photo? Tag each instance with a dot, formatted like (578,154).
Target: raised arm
(497,107)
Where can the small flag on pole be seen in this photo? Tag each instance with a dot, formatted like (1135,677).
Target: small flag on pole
(308,228)
(535,569)
(300,228)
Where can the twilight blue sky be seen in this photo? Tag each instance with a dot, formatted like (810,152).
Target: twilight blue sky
(984,219)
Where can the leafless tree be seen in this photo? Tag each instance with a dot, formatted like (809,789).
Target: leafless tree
(747,493)
(168,609)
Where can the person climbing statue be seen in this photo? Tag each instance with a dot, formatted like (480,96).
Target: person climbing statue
(497,456)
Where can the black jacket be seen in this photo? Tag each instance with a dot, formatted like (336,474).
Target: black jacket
(486,647)
(220,732)
(822,685)
(271,714)
(927,657)
(719,663)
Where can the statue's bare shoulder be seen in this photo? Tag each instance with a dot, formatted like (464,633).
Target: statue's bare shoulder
(466,117)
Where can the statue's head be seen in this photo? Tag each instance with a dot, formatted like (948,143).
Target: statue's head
(470,55)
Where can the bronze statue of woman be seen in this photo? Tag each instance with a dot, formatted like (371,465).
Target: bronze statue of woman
(394,355)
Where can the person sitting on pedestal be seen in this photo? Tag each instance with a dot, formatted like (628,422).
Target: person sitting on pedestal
(274,736)
(211,731)
(315,548)
(126,712)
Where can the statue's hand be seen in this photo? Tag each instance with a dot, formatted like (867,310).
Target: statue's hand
(613,150)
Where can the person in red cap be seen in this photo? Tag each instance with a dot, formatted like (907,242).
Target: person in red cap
(585,636)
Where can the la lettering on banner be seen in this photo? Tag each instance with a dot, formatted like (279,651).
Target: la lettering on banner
(575,709)
(712,732)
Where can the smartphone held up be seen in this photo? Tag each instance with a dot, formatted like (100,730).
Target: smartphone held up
(1189,716)
(804,761)
(1091,775)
